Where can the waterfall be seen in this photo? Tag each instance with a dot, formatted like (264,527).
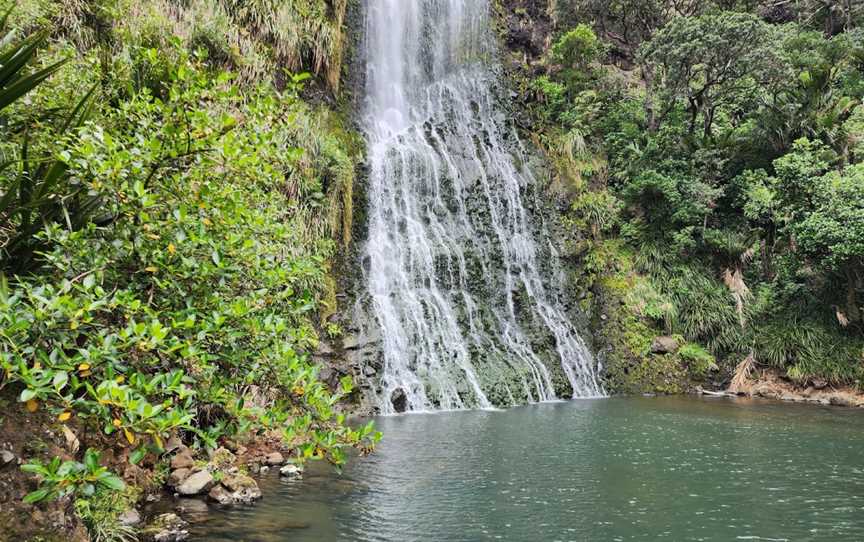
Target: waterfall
(459,276)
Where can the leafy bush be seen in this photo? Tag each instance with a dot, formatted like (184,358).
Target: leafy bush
(59,478)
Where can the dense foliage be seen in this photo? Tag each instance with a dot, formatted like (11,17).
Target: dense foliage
(169,211)
(712,153)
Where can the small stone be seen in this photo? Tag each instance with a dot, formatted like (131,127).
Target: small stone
(6,457)
(291,471)
(820,384)
(274,458)
(197,483)
(130,517)
(263,468)
(72,442)
(176,477)
(183,459)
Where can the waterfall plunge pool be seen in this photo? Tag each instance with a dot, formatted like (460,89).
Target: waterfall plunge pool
(670,468)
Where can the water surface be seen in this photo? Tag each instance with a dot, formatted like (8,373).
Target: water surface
(606,469)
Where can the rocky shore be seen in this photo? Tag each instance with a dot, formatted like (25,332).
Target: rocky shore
(769,384)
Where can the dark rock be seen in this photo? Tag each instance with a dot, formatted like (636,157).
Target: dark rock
(399,400)
(820,384)
(664,345)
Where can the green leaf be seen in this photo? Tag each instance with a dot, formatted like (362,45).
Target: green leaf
(38,495)
(60,380)
(137,455)
(91,459)
(113,482)
(26,395)
(33,468)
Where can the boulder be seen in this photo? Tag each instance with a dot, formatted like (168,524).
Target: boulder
(243,489)
(220,495)
(176,477)
(274,458)
(235,489)
(183,459)
(664,345)
(196,484)
(291,471)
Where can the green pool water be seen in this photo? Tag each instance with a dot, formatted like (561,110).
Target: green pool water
(676,468)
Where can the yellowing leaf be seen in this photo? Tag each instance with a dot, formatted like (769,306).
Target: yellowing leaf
(117,422)
(73,324)
(84,367)
(151,269)
(120,379)
(32,405)
(152,236)
(129,436)
(207,222)
(171,248)
(85,374)
(298,390)
(64,416)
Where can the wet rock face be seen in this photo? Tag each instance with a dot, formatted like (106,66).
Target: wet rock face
(399,400)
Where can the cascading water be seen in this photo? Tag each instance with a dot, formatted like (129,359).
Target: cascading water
(457,283)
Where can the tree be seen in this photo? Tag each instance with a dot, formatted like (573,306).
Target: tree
(706,63)
(832,234)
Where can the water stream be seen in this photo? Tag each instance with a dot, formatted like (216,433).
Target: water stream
(458,267)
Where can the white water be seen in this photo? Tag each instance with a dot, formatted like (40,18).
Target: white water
(455,279)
